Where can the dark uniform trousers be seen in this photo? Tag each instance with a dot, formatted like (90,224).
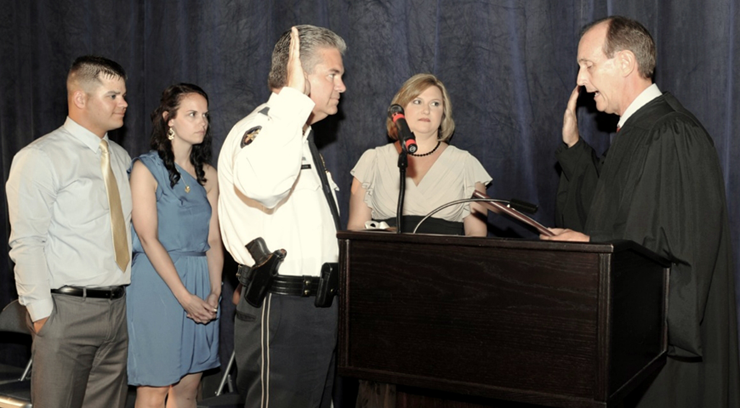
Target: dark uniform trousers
(285,352)
(79,355)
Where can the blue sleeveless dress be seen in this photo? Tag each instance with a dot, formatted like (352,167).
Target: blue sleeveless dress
(165,345)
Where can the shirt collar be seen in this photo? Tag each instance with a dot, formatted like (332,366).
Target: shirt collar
(85,136)
(642,99)
(272,99)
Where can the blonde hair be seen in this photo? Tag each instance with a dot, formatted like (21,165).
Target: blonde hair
(412,88)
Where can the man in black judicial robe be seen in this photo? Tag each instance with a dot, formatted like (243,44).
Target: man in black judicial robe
(661,186)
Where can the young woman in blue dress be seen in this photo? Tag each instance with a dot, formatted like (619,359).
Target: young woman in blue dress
(173,300)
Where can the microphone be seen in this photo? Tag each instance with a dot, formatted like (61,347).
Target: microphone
(407,139)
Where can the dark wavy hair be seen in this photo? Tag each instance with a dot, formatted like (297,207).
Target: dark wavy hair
(170,104)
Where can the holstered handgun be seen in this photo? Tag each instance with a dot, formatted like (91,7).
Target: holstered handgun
(260,275)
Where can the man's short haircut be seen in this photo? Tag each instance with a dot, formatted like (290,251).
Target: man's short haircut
(87,70)
(312,39)
(626,34)
(414,87)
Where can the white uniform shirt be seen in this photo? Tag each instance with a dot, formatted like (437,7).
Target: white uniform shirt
(270,188)
(60,217)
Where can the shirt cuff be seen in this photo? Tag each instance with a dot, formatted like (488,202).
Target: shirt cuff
(40,309)
(292,106)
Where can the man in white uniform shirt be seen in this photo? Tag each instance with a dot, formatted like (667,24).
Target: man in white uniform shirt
(71,244)
(272,188)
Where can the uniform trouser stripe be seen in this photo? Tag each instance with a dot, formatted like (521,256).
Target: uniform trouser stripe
(284,352)
(265,348)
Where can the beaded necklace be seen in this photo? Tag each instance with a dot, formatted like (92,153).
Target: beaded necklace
(429,152)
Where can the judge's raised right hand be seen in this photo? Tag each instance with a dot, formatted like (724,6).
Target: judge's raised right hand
(570,121)
(297,77)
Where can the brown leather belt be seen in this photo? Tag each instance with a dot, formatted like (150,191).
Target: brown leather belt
(113,292)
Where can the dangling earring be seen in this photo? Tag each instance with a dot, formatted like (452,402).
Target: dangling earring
(171,134)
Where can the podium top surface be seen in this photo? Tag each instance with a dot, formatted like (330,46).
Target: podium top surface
(614,246)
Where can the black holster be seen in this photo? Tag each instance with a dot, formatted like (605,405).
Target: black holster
(258,278)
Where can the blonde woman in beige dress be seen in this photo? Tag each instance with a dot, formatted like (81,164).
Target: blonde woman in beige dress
(437,174)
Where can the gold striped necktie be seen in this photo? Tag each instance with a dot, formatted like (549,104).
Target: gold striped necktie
(118,227)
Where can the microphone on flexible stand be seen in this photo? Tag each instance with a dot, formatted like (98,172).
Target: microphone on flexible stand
(405,136)
(510,208)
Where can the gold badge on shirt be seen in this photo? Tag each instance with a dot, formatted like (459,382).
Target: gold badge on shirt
(250,135)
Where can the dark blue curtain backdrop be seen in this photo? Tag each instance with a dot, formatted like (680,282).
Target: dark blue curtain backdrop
(509,65)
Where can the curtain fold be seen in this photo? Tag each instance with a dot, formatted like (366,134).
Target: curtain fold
(509,67)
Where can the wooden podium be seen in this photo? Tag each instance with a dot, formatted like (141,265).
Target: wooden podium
(480,321)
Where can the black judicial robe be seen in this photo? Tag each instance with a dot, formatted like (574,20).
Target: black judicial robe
(661,186)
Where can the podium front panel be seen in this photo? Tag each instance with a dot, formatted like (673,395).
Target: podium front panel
(511,319)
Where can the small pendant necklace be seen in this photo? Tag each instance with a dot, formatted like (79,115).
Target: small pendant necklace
(429,152)
(187,186)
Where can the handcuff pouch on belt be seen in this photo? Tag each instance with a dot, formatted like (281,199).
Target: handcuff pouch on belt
(328,284)
(259,277)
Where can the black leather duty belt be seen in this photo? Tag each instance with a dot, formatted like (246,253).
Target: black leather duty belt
(295,285)
(113,292)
